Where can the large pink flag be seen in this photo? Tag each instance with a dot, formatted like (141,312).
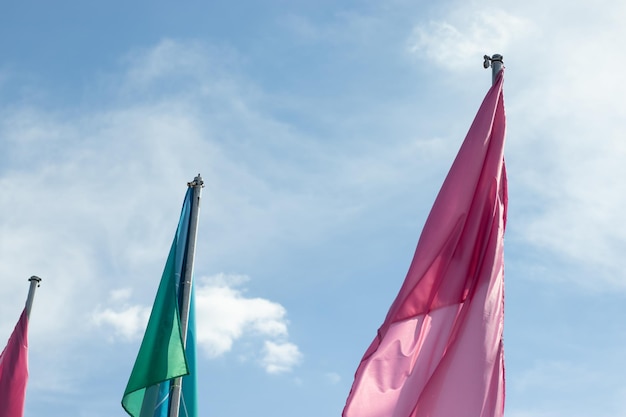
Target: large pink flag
(439,351)
(14,370)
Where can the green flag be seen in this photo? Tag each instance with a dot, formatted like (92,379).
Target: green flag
(161,356)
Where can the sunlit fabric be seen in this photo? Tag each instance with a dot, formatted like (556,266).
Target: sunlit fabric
(439,352)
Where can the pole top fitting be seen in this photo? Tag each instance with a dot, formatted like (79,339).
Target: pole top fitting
(491,60)
(36,279)
(197,182)
(496,64)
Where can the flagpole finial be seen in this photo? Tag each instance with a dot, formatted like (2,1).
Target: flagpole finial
(34,283)
(197,182)
(35,278)
(495,62)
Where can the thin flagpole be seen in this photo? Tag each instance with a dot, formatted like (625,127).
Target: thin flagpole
(197,185)
(34,283)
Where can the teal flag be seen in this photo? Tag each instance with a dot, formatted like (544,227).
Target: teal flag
(162,355)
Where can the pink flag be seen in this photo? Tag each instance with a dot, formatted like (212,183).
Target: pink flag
(439,351)
(14,370)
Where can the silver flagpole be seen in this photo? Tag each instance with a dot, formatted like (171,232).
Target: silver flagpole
(495,61)
(34,283)
(197,185)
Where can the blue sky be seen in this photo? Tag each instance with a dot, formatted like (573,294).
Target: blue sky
(323,131)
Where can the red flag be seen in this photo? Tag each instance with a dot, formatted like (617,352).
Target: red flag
(439,352)
(14,370)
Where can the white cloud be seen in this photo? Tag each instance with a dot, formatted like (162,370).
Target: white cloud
(280,357)
(566,120)
(168,58)
(91,196)
(121,294)
(223,315)
(127,321)
(565,146)
(458,41)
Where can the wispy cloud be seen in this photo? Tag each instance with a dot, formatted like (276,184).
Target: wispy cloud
(566,378)
(461,38)
(565,116)
(333,377)
(310,131)
(91,197)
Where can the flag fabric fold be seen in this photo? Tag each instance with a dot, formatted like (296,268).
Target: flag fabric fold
(162,355)
(14,370)
(439,352)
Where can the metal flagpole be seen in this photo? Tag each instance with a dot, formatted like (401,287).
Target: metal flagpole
(197,185)
(34,283)
(495,61)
